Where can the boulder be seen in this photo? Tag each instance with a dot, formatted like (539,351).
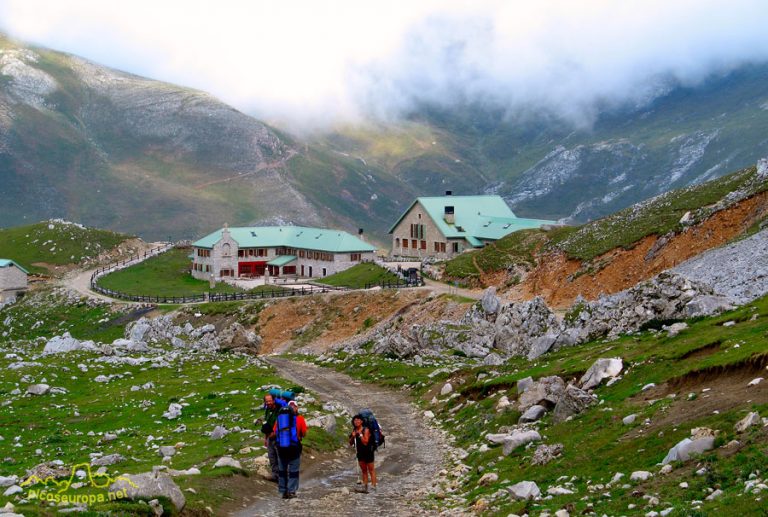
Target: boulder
(707,305)
(524,385)
(327,422)
(493,359)
(488,479)
(490,302)
(601,369)
(573,401)
(675,328)
(515,440)
(748,421)
(687,448)
(227,461)
(109,459)
(61,345)
(533,413)
(219,432)
(640,475)
(546,453)
(6,481)
(447,388)
(545,391)
(38,389)
(541,345)
(237,337)
(174,411)
(519,324)
(496,438)
(629,419)
(524,490)
(166,451)
(150,485)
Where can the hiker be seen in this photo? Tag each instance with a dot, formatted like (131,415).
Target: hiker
(270,417)
(363,441)
(290,428)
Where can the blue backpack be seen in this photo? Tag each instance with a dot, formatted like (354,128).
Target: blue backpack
(287,434)
(369,421)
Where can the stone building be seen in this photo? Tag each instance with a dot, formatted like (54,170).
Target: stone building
(277,251)
(13,281)
(444,226)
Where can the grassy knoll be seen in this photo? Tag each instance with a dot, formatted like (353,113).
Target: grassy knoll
(515,249)
(54,242)
(164,275)
(359,275)
(694,373)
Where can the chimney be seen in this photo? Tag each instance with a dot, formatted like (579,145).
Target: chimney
(448,215)
(360,234)
(449,192)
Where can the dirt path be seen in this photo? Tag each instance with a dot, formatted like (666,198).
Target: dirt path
(441,288)
(80,281)
(413,455)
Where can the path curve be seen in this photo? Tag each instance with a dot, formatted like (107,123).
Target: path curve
(413,456)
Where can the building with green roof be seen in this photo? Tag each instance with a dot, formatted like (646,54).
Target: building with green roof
(13,281)
(255,251)
(443,226)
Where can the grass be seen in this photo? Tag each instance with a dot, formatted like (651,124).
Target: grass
(656,216)
(360,275)
(167,274)
(596,443)
(214,389)
(56,243)
(515,249)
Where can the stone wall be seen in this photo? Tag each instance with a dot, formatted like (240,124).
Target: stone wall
(12,278)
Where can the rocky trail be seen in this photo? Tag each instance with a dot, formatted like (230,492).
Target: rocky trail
(411,459)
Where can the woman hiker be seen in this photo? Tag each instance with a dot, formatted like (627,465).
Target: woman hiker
(362,439)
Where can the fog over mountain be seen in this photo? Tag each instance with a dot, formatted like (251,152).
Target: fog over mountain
(318,64)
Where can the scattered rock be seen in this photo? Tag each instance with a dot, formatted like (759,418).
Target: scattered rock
(519,438)
(524,490)
(490,302)
(755,382)
(629,419)
(675,328)
(447,389)
(573,401)
(227,461)
(219,432)
(546,453)
(150,485)
(748,421)
(488,479)
(174,411)
(38,389)
(687,448)
(640,475)
(547,390)
(533,413)
(601,369)
(109,459)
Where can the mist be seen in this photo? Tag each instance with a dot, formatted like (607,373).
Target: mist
(315,65)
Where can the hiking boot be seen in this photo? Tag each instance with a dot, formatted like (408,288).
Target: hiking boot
(361,489)
(286,495)
(290,495)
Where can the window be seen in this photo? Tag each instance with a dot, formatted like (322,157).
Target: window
(437,247)
(226,272)
(203,253)
(241,253)
(397,243)
(413,244)
(442,247)
(207,268)
(424,245)
(417,231)
(289,270)
(301,255)
(455,247)
(354,256)
(405,243)
(324,272)
(226,249)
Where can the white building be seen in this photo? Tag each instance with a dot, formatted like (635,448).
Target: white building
(13,281)
(276,251)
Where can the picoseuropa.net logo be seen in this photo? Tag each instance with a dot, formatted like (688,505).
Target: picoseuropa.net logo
(52,490)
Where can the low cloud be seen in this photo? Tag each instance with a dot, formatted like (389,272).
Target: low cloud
(316,64)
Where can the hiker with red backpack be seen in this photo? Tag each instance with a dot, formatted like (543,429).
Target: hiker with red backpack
(290,428)
(366,437)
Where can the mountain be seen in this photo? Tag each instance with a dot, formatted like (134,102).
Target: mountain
(109,149)
(549,168)
(118,151)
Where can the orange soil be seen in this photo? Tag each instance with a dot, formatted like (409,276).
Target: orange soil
(328,319)
(555,277)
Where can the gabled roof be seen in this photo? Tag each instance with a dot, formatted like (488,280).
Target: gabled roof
(334,241)
(9,263)
(475,217)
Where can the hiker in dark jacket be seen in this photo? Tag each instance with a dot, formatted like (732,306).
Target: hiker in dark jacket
(289,457)
(270,417)
(362,439)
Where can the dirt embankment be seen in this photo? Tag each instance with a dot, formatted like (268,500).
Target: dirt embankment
(559,280)
(317,322)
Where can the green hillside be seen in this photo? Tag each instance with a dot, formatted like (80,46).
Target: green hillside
(55,243)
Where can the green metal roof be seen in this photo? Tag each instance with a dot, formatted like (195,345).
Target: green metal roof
(334,241)
(475,217)
(9,262)
(281,260)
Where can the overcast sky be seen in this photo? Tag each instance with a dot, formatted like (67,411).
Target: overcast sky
(317,62)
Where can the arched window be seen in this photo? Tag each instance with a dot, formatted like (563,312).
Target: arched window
(227,249)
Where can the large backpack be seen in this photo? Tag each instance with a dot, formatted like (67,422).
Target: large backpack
(369,421)
(287,434)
